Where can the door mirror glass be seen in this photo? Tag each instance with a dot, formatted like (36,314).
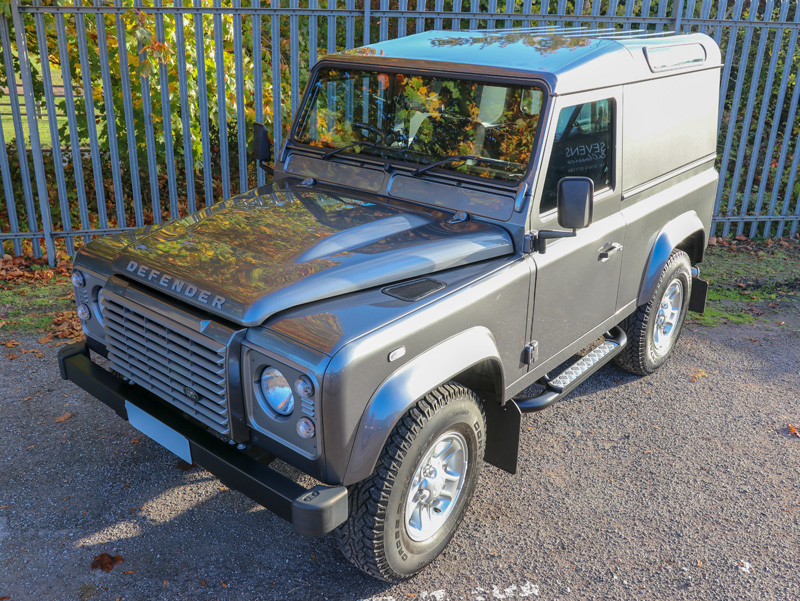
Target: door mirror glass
(262,148)
(575,202)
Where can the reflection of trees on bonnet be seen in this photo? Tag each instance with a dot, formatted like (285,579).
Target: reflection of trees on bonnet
(543,44)
(223,240)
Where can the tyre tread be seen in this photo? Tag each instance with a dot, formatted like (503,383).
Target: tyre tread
(360,538)
(633,357)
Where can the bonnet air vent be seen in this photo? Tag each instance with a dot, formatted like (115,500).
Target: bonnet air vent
(413,290)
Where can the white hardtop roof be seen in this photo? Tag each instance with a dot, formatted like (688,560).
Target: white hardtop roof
(569,59)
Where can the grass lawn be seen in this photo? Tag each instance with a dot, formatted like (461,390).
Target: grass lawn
(9,132)
(751,281)
(35,300)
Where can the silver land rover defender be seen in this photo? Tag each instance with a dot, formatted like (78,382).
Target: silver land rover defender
(462,227)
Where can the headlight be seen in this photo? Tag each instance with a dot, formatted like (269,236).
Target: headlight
(277,391)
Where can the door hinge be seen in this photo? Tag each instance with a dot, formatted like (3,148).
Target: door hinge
(531,353)
(529,245)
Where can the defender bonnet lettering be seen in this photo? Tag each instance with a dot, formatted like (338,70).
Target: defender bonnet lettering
(461,227)
(172,283)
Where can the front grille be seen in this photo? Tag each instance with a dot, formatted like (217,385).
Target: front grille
(167,358)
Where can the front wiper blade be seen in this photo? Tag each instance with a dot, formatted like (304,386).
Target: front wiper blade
(330,153)
(459,157)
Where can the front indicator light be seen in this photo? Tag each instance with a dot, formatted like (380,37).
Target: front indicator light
(305,427)
(277,391)
(84,312)
(304,387)
(77,279)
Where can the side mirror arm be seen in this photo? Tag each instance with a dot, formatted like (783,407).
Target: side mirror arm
(537,241)
(266,167)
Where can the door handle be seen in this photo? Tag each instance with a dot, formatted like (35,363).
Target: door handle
(606,254)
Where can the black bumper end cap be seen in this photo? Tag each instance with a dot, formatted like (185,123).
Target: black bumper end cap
(319,510)
(65,352)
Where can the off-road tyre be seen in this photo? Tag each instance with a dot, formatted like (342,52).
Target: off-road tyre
(641,355)
(374,537)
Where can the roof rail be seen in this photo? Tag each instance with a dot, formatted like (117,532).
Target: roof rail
(606,33)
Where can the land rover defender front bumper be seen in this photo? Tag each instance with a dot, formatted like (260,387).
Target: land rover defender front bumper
(312,512)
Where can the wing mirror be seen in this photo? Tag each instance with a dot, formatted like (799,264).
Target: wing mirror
(262,147)
(575,203)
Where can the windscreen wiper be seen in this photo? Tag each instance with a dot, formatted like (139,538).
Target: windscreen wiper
(459,157)
(330,153)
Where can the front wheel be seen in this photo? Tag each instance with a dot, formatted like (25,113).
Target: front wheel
(402,517)
(655,327)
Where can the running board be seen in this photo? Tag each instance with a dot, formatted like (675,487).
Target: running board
(561,385)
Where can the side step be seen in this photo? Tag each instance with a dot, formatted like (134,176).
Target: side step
(558,387)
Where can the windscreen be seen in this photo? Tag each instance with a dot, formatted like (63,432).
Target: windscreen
(475,128)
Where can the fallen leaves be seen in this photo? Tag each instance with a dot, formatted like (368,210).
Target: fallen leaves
(11,343)
(36,353)
(67,325)
(11,356)
(184,466)
(31,269)
(106,562)
(62,418)
(698,374)
(793,430)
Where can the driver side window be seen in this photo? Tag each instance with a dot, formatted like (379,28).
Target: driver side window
(584,146)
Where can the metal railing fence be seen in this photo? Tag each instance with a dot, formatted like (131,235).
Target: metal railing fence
(158,99)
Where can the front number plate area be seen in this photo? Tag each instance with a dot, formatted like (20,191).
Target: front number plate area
(158,431)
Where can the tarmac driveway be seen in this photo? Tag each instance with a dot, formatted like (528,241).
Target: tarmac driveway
(681,485)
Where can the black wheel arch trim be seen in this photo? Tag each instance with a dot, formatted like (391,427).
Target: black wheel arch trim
(675,234)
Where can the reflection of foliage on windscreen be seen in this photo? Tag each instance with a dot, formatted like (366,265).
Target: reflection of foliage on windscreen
(544,44)
(422,119)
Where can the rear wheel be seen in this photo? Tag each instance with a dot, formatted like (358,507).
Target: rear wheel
(654,328)
(402,517)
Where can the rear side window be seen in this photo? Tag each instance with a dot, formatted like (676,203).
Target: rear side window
(584,146)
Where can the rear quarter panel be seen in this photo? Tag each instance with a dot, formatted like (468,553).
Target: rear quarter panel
(669,148)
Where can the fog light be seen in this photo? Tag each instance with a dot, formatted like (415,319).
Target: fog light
(83,312)
(305,427)
(304,387)
(77,279)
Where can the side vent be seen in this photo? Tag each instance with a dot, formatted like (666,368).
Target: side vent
(307,407)
(414,290)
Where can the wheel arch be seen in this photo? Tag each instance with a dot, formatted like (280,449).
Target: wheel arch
(686,233)
(469,358)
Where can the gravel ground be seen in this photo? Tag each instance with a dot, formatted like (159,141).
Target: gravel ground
(681,485)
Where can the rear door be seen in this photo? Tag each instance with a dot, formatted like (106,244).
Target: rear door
(577,278)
